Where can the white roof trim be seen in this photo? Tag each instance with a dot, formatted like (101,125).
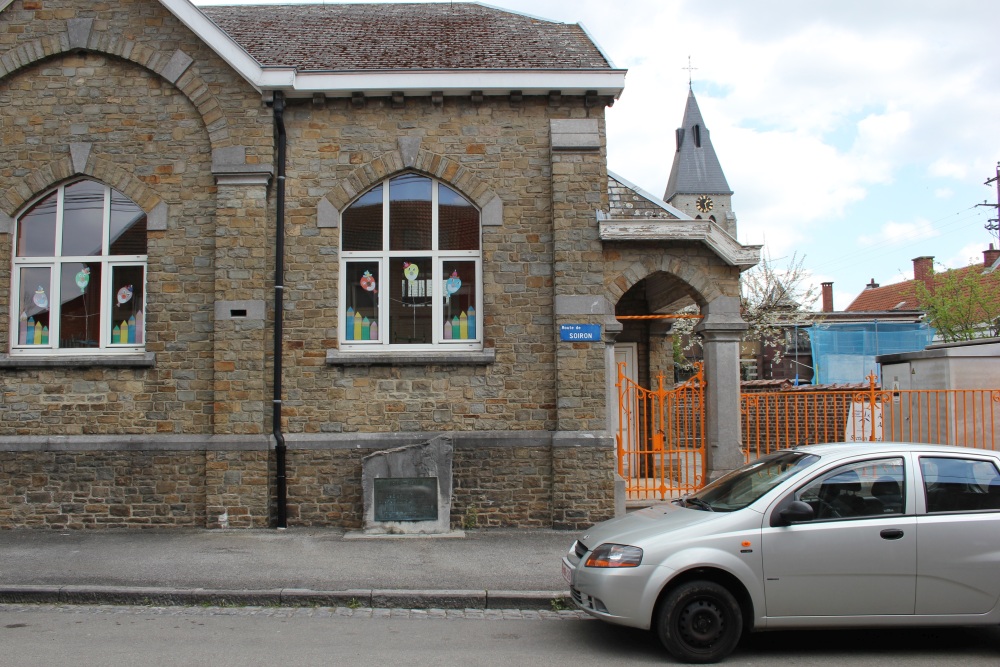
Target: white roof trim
(380,83)
(710,233)
(653,198)
(4,4)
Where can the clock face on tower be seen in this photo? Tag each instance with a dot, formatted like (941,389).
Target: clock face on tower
(704,203)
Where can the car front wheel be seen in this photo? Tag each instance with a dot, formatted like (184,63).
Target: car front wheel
(700,622)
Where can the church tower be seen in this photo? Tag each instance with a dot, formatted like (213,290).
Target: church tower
(697,185)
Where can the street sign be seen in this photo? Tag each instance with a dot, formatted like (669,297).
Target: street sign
(580,333)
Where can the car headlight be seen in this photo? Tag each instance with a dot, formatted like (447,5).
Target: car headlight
(615,555)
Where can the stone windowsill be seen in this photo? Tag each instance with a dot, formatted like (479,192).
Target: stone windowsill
(422,358)
(136,360)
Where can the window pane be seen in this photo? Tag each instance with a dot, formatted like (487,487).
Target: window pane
(128,226)
(410,213)
(36,229)
(33,306)
(869,488)
(362,222)
(80,310)
(83,219)
(361,321)
(960,485)
(410,301)
(127,305)
(458,221)
(459,295)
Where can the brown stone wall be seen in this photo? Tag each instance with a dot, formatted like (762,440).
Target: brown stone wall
(153,140)
(503,146)
(101,489)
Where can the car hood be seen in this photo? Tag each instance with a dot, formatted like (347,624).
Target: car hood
(637,526)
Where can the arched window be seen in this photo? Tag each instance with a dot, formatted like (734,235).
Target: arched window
(79,279)
(411,269)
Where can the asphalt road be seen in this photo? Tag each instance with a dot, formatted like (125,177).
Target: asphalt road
(110,636)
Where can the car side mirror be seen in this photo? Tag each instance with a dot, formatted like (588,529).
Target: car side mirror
(796,512)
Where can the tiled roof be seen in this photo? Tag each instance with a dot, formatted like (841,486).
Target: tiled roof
(903,296)
(372,37)
(900,296)
(696,168)
(628,201)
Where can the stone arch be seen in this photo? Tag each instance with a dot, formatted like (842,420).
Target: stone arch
(176,67)
(704,285)
(409,156)
(81,163)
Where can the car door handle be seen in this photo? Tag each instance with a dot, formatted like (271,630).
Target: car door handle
(891,534)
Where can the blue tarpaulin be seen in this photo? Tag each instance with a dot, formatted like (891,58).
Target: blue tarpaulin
(846,352)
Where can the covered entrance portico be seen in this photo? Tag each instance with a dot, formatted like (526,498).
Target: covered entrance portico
(661,267)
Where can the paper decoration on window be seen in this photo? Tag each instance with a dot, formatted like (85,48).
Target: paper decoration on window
(83,278)
(452,285)
(410,271)
(461,327)
(40,299)
(360,328)
(31,332)
(128,332)
(124,295)
(368,282)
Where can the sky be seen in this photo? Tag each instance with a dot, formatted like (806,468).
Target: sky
(856,134)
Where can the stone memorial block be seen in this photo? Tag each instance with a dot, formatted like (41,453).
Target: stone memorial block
(407,490)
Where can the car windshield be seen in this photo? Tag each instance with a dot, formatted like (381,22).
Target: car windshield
(743,486)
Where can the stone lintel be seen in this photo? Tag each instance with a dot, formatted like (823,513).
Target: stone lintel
(6,224)
(484,357)
(568,304)
(327,214)
(135,443)
(79,154)
(178,64)
(575,134)
(78,32)
(240,310)
(156,220)
(492,214)
(136,360)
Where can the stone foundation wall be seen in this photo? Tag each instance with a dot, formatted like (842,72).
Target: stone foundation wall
(502,486)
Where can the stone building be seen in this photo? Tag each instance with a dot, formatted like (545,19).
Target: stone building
(407,206)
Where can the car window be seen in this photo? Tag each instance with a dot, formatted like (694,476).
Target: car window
(745,485)
(959,485)
(861,489)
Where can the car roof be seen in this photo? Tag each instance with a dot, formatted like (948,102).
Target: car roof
(838,449)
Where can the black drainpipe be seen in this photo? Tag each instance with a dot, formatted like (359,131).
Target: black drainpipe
(279,289)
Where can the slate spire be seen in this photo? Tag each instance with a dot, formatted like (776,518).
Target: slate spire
(696,169)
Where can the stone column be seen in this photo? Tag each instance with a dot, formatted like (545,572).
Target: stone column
(582,451)
(722,329)
(236,471)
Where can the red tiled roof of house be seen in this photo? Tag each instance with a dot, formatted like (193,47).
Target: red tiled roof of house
(371,37)
(903,296)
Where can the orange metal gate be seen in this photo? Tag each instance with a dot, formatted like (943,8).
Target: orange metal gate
(661,437)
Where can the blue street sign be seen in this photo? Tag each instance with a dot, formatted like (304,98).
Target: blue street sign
(580,333)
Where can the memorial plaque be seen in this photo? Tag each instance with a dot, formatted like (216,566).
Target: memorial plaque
(406,499)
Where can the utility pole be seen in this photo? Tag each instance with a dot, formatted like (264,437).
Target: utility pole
(993,224)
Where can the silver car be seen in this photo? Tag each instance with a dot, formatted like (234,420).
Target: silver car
(832,536)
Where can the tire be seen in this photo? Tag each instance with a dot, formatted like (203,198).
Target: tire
(700,622)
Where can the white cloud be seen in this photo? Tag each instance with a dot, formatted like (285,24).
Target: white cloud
(899,232)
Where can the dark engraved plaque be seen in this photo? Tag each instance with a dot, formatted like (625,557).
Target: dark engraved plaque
(406,498)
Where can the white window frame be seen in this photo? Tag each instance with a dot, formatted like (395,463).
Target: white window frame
(384,258)
(55,263)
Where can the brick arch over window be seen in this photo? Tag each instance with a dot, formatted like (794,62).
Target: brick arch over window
(175,67)
(705,285)
(81,163)
(410,157)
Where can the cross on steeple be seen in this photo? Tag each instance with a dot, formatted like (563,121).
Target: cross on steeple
(689,69)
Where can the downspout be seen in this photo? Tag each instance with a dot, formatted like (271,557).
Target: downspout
(279,289)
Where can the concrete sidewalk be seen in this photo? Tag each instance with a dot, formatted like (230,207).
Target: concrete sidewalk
(501,569)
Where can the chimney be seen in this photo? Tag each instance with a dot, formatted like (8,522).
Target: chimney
(990,256)
(923,269)
(872,284)
(827,297)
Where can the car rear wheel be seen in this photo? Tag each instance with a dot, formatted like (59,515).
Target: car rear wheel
(700,622)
